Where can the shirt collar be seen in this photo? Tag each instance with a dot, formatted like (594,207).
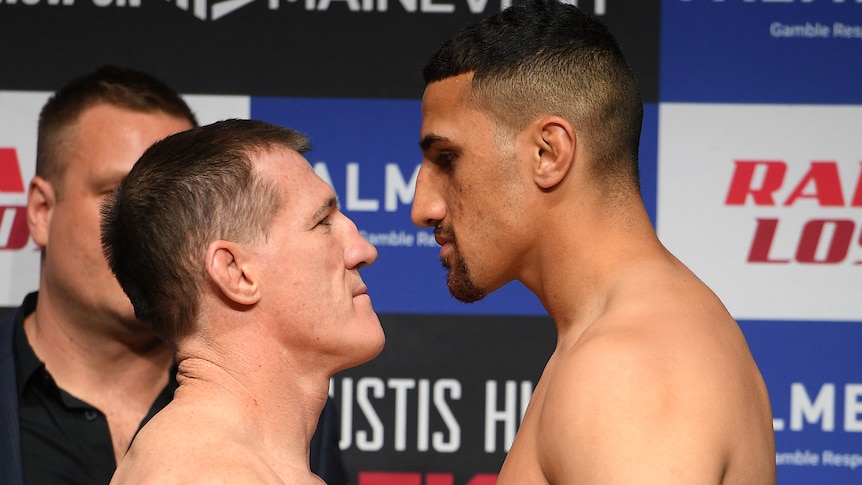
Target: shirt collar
(27,364)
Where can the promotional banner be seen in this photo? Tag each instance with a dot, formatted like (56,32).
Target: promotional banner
(309,48)
(759,193)
(751,169)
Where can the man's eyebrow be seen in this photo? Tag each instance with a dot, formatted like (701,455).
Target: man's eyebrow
(430,139)
(327,206)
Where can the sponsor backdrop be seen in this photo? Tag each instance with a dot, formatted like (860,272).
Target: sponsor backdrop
(751,169)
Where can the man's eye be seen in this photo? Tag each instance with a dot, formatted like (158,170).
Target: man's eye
(445,159)
(326,221)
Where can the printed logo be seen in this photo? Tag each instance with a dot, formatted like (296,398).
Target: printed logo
(14,233)
(10,172)
(821,241)
(214,10)
(764,203)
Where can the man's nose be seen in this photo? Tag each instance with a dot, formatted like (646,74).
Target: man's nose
(428,206)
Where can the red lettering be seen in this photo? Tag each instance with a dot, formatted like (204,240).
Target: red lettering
(19,233)
(743,178)
(823,241)
(483,479)
(415,478)
(10,172)
(838,247)
(439,479)
(827,185)
(389,478)
(763,237)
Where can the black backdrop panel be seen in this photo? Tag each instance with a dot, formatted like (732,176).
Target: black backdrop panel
(309,48)
(457,359)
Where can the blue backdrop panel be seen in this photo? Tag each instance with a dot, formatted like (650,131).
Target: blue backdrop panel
(369,135)
(746,51)
(813,371)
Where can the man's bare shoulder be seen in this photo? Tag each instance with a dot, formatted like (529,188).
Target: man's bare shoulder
(664,388)
(218,464)
(196,444)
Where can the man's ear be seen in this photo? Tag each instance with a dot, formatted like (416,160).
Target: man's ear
(41,201)
(554,141)
(228,266)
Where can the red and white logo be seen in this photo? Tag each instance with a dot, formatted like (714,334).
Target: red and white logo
(14,233)
(764,203)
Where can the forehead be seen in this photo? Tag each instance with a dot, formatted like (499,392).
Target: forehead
(447,114)
(443,96)
(292,172)
(109,138)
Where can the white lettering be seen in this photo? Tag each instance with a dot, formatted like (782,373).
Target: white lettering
(801,407)
(426,239)
(508,415)
(354,203)
(477,6)
(201,8)
(806,30)
(352,5)
(346,438)
(375,442)
(391,239)
(369,398)
(441,387)
(853,407)
(849,460)
(397,188)
(401,386)
(431,7)
(422,415)
(798,458)
(846,31)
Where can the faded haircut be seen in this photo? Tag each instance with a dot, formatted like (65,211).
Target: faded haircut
(544,57)
(125,88)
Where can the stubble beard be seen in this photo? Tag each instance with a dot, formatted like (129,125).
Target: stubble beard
(460,282)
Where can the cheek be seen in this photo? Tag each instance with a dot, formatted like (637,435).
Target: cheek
(76,226)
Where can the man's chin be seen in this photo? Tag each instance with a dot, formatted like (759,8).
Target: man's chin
(464,291)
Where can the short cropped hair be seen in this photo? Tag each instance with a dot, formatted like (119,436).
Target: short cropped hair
(125,88)
(545,57)
(184,192)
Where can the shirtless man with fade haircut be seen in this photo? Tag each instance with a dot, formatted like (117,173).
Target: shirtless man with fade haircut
(531,122)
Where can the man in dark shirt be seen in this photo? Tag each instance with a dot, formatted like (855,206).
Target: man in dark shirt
(79,375)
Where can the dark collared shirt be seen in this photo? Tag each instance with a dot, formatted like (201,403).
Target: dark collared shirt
(63,439)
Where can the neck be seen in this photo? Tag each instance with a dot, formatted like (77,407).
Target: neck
(275,399)
(73,345)
(117,367)
(580,261)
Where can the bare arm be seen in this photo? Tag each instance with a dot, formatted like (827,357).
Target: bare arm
(620,410)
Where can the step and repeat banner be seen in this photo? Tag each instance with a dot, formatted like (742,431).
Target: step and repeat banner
(751,161)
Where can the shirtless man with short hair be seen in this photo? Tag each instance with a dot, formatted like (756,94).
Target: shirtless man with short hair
(530,131)
(234,251)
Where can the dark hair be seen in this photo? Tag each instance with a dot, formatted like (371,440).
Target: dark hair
(184,192)
(545,57)
(121,87)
